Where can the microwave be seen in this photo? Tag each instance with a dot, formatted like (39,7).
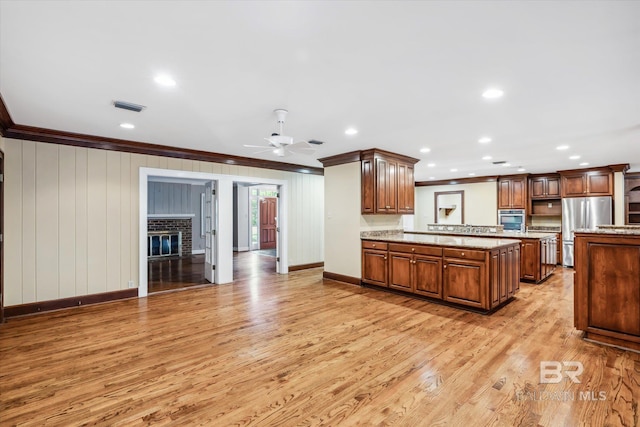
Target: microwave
(511,219)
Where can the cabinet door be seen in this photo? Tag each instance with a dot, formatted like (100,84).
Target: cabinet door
(386,186)
(504,275)
(400,271)
(367,204)
(598,184)
(538,188)
(406,189)
(427,276)
(553,187)
(514,269)
(518,194)
(504,194)
(374,267)
(528,260)
(464,282)
(573,185)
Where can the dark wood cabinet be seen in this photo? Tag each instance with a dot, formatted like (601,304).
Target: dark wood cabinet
(464,282)
(632,198)
(538,258)
(374,263)
(416,269)
(596,182)
(388,183)
(544,187)
(607,288)
(482,279)
(512,192)
(406,189)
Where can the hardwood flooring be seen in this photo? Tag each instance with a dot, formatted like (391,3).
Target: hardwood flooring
(284,350)
(179,273)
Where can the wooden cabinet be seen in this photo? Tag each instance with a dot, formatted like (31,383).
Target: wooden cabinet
(607,288)
(512,192)
(482,279)
(388,183)
(538,258)
(416,269)
(374,263)
(596,182)
(464,282)
(544,187)
(632,198)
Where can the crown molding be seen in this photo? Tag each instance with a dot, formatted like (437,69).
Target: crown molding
(9,129)
(474,180)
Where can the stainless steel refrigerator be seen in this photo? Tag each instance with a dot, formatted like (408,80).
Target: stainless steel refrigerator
(582,212)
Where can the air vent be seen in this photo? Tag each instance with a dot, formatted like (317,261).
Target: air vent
(128,106)
(316,142)
(501,162)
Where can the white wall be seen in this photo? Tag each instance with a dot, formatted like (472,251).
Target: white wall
(343,221)
(241,235)
(480,203)
(72,217)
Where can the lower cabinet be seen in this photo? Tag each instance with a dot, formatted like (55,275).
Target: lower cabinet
(482,279)
(374,263)
(538,258)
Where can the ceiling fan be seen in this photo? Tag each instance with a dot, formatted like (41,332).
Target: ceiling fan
(282,145)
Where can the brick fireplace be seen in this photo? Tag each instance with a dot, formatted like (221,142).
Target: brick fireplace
(183,225)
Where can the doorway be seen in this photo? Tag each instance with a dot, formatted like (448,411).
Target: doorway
(223,257)
(1,237)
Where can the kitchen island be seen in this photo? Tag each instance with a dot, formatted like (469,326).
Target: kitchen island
(607,285)
(538,250)
(480,273)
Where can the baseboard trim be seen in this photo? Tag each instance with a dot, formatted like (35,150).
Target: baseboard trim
(305,266)
(57,304)
(341,278)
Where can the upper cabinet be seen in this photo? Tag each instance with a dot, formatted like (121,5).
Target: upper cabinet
(579,183)
(544,187)
(388,183)
(512,192)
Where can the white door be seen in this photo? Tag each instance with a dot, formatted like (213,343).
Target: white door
(209,231)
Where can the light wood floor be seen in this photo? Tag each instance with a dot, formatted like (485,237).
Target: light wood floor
(281,350)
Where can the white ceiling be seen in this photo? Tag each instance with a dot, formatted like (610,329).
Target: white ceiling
(406,74)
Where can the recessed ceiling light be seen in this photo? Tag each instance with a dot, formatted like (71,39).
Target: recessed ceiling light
(430,165)
(487,158)
(127,125)
(472,173)
(454,170)
(351,131)
(562,147)
(484,140)
(493,93)
(164,80)
(521,169)
(576,157)
(425,150)
(584,164)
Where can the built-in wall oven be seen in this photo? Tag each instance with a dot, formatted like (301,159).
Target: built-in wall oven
(511,219)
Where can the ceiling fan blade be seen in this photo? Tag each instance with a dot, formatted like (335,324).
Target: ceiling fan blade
(282,152)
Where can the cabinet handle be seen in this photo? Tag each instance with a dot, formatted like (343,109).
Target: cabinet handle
(388,207)
(374,245)
(385,257)
(413,249)
(445,266)
(462,254)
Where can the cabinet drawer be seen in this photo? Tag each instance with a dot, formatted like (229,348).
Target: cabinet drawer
(415,249)
(367,244)
(464,254)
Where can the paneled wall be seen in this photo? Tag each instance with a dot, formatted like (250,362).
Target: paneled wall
(71,217)
(170,198)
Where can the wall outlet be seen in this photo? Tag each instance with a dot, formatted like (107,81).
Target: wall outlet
(131,284)
(550,205)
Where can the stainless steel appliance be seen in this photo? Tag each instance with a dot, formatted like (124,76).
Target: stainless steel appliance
(511,219)
(582,212)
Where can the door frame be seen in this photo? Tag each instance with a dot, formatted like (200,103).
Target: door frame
(224,221)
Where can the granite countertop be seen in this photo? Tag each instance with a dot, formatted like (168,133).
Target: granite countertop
(617,230)
(498,234)
(439,240)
